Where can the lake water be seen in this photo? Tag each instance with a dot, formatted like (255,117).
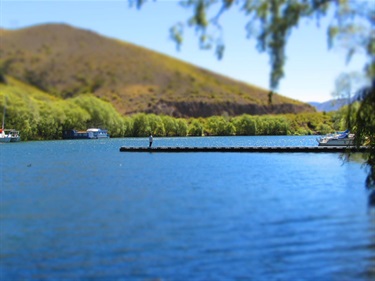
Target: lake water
(82,210)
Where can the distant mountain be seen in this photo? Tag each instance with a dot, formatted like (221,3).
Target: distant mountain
(65,61)
(331,105)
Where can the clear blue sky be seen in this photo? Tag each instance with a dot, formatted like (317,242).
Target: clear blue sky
(311,69)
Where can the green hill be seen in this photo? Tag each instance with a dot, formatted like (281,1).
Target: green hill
(65,62)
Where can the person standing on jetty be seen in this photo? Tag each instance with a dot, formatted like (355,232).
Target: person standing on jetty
(150,139)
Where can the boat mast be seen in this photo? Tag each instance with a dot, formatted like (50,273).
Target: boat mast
(2,126)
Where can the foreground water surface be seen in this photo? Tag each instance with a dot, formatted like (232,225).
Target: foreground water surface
(73,210)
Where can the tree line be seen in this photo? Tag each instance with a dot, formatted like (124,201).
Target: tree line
(46,119)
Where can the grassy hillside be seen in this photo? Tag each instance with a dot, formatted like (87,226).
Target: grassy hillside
(65,62)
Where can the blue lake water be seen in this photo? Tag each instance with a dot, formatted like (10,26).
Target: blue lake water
(73,210)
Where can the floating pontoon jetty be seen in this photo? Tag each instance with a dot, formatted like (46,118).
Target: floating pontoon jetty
(268,149)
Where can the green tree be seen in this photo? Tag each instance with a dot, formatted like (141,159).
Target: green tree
(128,126)
(219,126)
(141,126)
(245,125)
(50,122)
(156,125)
(102,114)
(76,117)
(324,129)
(182,127)
(365,130)
(195,128)
(22,111)
(170,126)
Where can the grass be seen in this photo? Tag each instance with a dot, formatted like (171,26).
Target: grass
(65,62)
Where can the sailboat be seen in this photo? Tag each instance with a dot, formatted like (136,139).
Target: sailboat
(8,135)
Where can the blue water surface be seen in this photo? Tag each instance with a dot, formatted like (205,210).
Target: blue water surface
(82,210)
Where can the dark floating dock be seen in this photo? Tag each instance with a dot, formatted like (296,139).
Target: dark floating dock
(268,149)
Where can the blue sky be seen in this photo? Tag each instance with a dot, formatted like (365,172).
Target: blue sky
(310,71)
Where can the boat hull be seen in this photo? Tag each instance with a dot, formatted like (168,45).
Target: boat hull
(15,139)
(337,139)
(337,142)
(4,139)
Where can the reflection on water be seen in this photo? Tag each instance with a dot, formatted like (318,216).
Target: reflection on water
(82,210)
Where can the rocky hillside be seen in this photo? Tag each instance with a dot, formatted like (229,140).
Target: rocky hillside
(65,61)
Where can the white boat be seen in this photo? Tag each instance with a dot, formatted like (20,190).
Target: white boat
(13,134)
(98,133)
(338,139)
(8,135)
(4,137)
(92,133)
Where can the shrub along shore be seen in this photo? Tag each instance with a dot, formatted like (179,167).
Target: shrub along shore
(39,116)
(141,125)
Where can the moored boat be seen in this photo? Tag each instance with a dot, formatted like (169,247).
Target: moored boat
(92,133)
(98,133)
(8,135)
(13,134)
(337,139)
(4,137)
